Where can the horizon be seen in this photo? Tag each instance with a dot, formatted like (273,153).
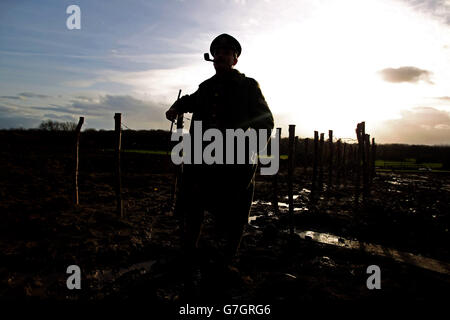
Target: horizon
(311,138)
(382,62)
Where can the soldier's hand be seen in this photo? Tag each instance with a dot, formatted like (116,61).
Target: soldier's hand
(171,114)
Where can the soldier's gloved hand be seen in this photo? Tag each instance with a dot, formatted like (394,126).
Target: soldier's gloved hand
(171,114)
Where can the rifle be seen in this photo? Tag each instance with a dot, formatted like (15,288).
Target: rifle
(178,169)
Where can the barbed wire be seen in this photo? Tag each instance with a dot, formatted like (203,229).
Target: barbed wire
(123,124)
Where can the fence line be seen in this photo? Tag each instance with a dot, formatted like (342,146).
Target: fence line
(344,162)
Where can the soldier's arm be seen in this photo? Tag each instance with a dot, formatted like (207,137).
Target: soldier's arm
(260,115)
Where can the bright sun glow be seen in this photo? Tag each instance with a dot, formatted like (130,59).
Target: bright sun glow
(318,64)
(321,73)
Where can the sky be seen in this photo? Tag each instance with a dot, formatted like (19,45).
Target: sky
(321,64)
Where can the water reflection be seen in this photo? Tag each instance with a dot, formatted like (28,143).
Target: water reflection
(404,257)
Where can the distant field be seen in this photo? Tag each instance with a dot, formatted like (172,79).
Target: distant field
(159,152)
(408,165)
(164,152)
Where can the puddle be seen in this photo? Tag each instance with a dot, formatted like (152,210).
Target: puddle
(266,203)
(404,257)
(397,183)
(295,196)
(281,206)
(253,218)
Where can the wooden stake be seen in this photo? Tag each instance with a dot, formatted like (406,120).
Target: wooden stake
(76,151)
(338,163)
(118,133)
(291,162)
(296,151)
(315,163)
(344,162)
(305,159)
(359,157)
(321,143)
(275,176)
(373,153)
(366,141)
(330,159)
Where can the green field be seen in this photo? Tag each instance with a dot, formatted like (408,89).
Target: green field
(410,164)
(162,152)
(158,152)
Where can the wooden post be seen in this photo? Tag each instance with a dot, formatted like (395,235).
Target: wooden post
(296,150)
(118,132)
(321,143)
(358,159)
(368,158)
(315,162)
(365,138)
(76,161)
(338,163)
(305,163)
(291,161)
(356,165)
(330,159)
(374,150)
(344,163)
(275,178)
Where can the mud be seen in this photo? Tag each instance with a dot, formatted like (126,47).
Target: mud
(402,227)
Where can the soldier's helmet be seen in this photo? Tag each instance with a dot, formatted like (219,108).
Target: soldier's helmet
(225,41)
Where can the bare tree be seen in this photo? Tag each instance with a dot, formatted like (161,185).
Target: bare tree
(50,125)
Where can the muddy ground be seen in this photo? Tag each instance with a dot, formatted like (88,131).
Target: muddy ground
(402,227)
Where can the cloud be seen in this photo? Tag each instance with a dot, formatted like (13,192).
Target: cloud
(420,125)
(436,8)
(53,116)
(159,83)
(5,109)
(99,112)
(19,122)
(139,114)
(85,98)
(33,95)
(111,103)
(12,97)
(55,108)
(24,95)
(405,74)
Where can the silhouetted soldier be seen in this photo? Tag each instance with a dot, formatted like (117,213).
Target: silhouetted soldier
(228,100)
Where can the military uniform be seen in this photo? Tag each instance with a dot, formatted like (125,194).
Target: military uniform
(228,101)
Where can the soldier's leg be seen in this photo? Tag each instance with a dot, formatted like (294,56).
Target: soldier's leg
(240,212)
(193,221)
(234,216)
(193,213)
